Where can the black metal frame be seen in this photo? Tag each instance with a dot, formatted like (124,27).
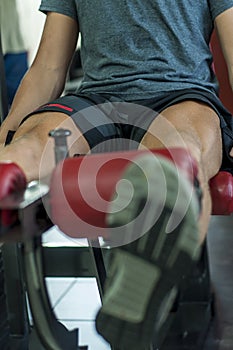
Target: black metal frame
(33,221)
(193,311)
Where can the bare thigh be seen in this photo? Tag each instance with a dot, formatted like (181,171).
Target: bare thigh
(41,124)
(194,126)
(32,148)
(190,124)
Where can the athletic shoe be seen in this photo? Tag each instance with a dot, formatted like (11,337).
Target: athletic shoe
(154,214)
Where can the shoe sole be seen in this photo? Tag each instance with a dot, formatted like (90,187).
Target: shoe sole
(155,222)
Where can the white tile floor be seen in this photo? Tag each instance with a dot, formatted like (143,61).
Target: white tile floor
(75,300)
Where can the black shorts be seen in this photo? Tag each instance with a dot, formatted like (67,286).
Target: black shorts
(110,124)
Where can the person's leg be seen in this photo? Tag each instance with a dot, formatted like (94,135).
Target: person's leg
(195,126)
(144,275)
(33,150)
(91,130)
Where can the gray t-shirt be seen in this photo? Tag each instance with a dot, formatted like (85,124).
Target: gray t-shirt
(139,48)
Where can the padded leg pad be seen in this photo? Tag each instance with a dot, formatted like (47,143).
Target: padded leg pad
(82,188)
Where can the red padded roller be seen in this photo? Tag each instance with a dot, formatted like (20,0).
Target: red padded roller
(222,184)
(12,182)
(222,193)
(82,188)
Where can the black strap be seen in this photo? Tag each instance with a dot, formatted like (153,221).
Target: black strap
(9,137)
(3,88)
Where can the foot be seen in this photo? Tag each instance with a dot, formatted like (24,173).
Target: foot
(155,222)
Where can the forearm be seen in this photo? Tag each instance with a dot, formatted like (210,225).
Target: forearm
(228,55)
(224,28)
(46,77)
(37,87)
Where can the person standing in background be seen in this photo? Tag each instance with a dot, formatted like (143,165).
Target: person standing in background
(13,47)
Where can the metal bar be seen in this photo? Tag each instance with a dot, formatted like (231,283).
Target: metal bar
(60,140)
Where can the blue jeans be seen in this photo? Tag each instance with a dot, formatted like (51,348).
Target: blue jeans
(16,65)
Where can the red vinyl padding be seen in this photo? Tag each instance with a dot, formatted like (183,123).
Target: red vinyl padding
(222,184)
(12,183)
(221,187)
(12,180)
(82,188)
